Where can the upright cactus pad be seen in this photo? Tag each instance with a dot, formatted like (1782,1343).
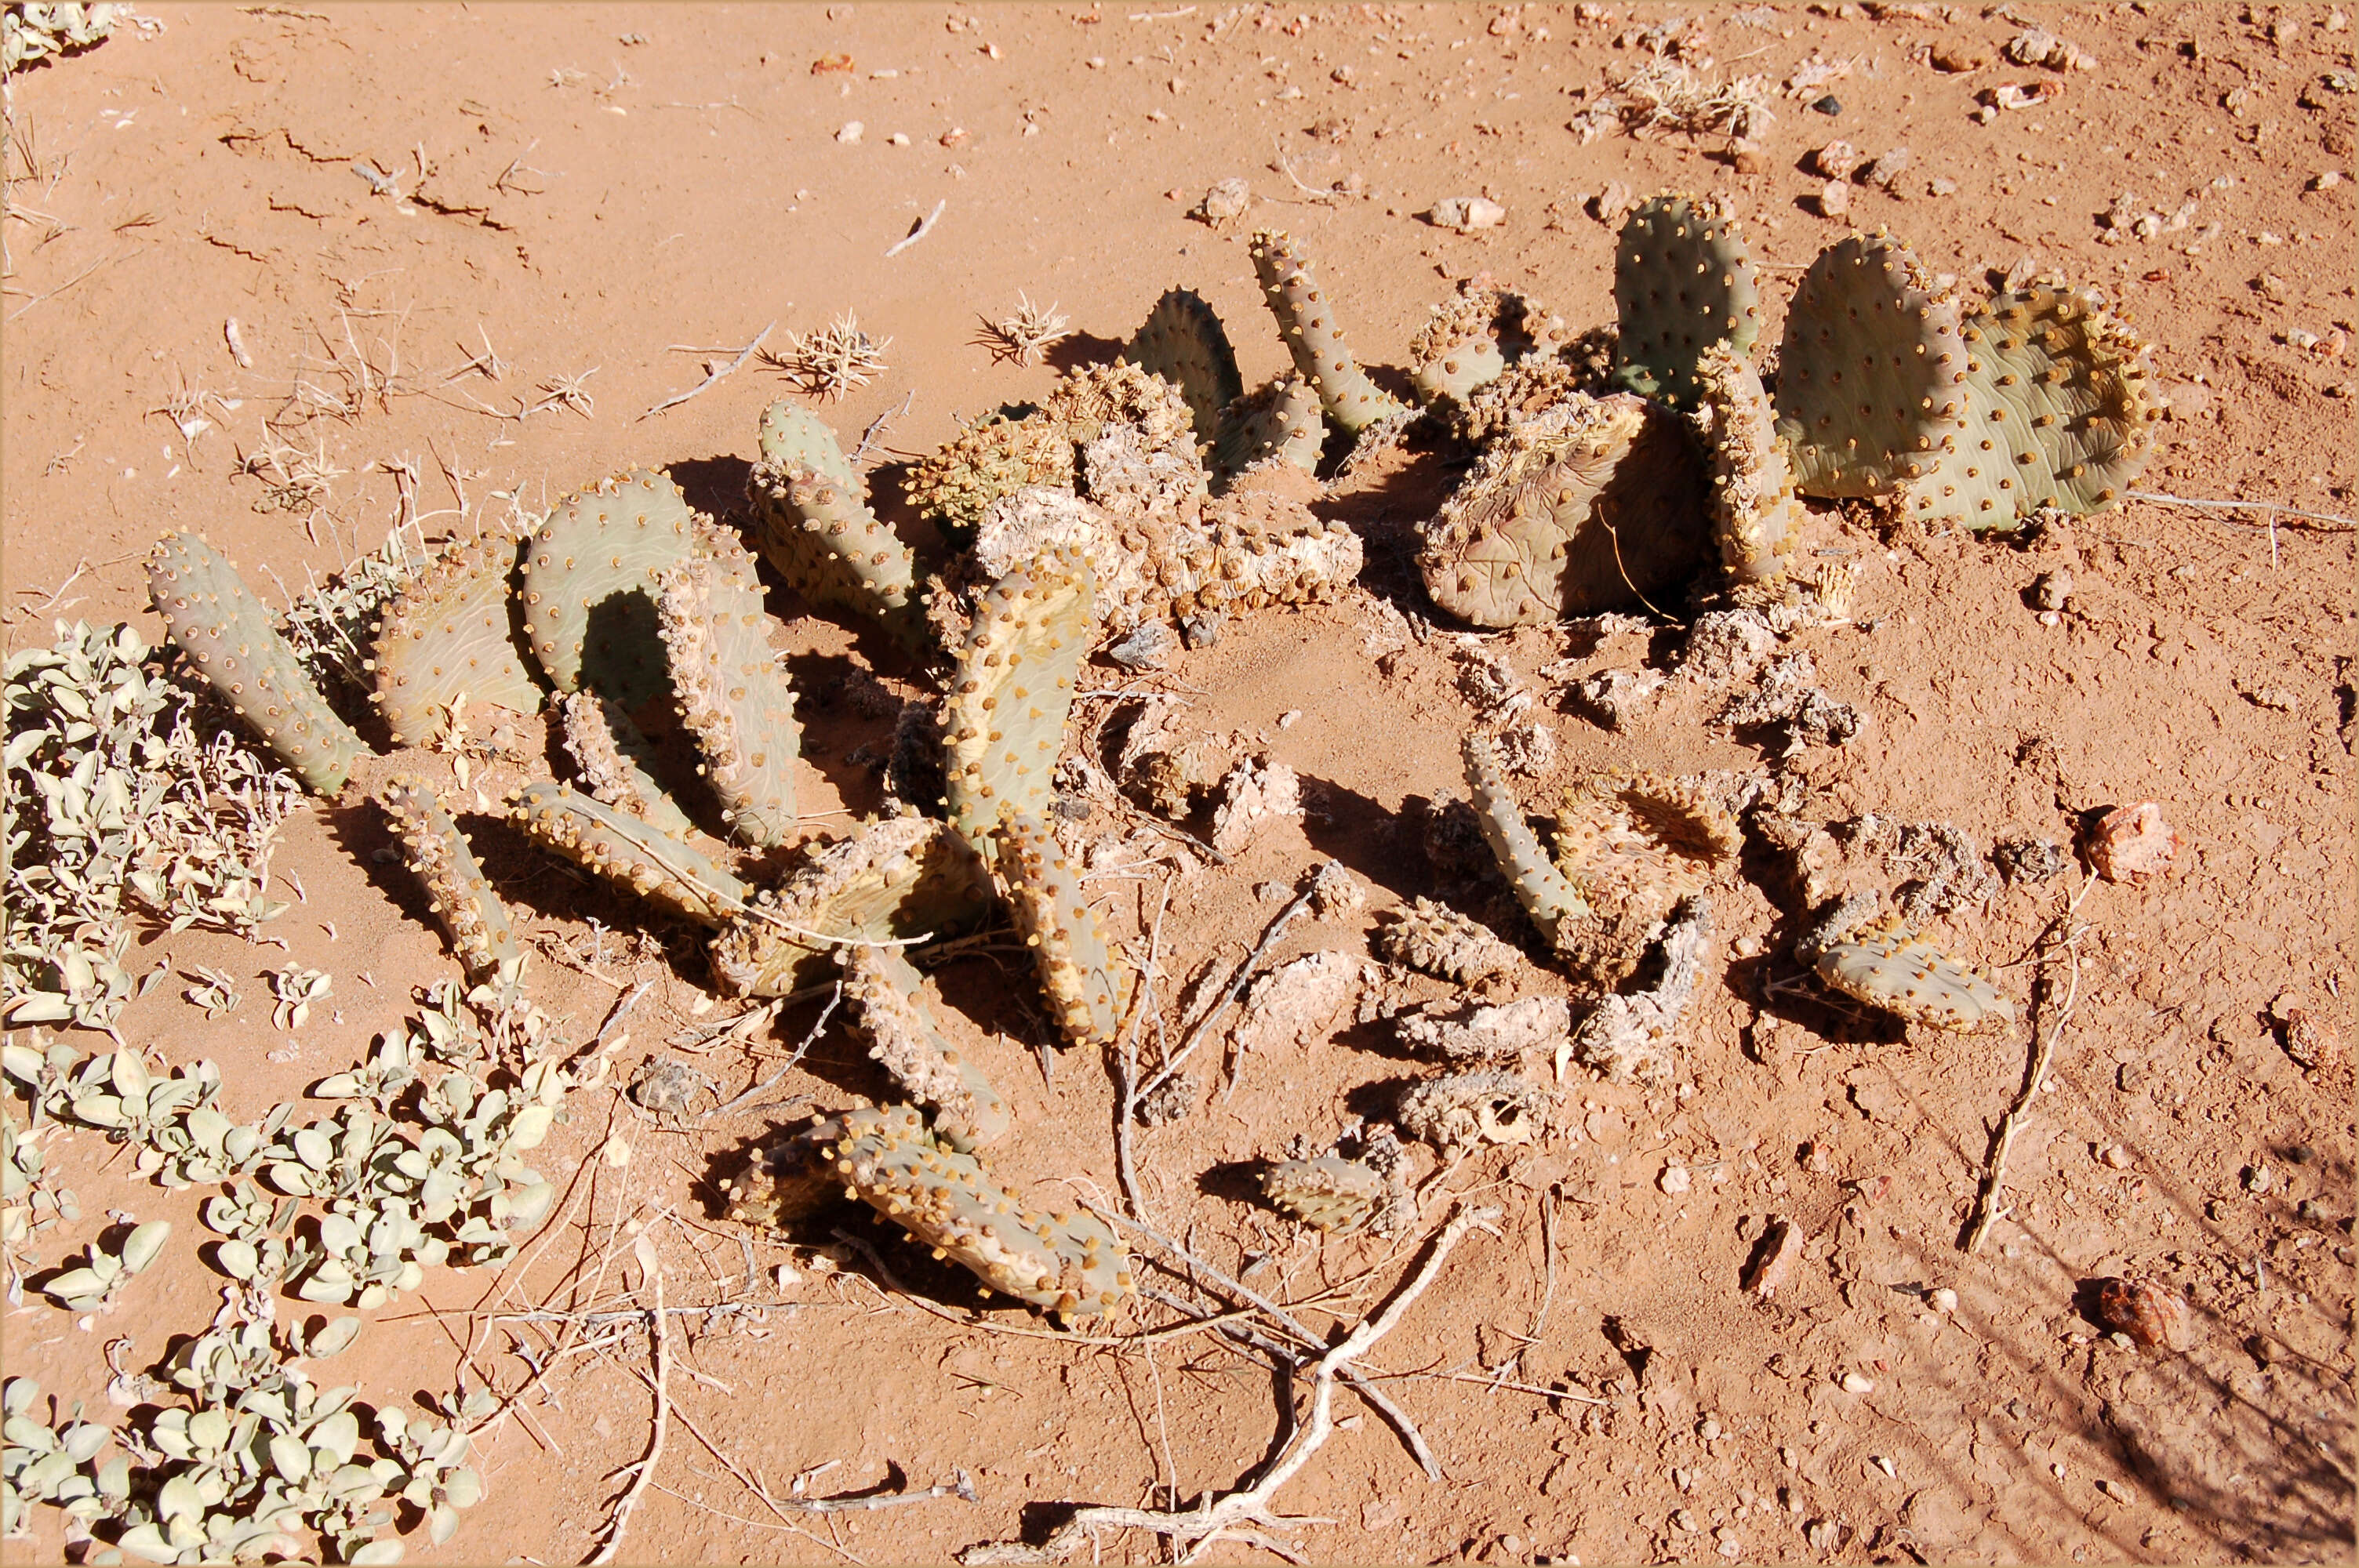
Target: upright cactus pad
(731,686)
(228,635)
(812,522)
(1314,337)
(1470,339)
(1329,1193)
(1755,515)
(456,888)
(636,854)
(894,879)
(588,585)
(1682,283)
(617,762)
(1871,375)
(1088,984)
(1596,504)
(1635,845)
(994,457)
(887,995)
(1278,421)
(2058,413)
(1553,902)
(1182,340)
(447,637)
(1885,969)
(1004,715)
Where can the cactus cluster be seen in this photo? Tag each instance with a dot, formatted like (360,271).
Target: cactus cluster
(617,761)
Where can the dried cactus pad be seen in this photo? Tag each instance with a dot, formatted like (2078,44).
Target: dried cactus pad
(1871,375)
(1182,340)
(1435,939)
(1540,888)
(617,761)
(887,995)
(1067,1263)
(1312,336)
(1456,1113)
(2058,413)
(1089,985)
(898,878)
(994,457)
(1277,421)
(1682,283)
(1635,845)
(1595,504)
(460,894)
(636,854)
(448,636)
(1329,1193)
(1471,338)
(732,686)
(588,585)
(228,635)
(812,522)
(1003,716)
(1755,515)
(1915,980)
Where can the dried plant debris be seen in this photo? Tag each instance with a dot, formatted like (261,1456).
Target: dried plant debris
(666,1086)
(34,33)
(1464,1110)
(1787,699)
(1256,793)
(1300,1002)
(1634,845)
(457,891)
(1437,940)
(832,360)
(329,626)
(888,996)
(1026,333)
(628,850)
(1475,1031)
(996,456)
(1629,1038)
(1329,1193)
(446,645)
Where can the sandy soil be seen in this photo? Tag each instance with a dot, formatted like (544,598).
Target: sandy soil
(575,193)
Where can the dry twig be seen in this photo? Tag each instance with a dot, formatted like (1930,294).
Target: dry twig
(676,399)
(645,1248)
(1235,988)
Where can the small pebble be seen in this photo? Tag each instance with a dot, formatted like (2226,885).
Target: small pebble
(2258,1178)
(2114,1156)
(1943,1301)
(851,132)
(1830,106)
(1835,200)
(1674,1179)
(1288,719)
(1858,1383)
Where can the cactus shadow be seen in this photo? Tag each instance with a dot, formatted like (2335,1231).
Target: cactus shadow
(1389,515)
(1235,1181)
(834,736)
(714,486)
(1082,349)
(1353,828)
(1778,987)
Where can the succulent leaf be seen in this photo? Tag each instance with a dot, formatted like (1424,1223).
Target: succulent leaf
(588,584)
(1088,984)
(1314,337)
(732,686)
(636,854)
(448,636)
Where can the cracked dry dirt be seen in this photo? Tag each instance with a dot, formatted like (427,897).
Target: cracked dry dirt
(564,194)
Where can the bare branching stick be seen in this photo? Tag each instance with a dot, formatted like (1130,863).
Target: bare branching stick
(2336,523)
(924,226)
(677,398)
(653,1265)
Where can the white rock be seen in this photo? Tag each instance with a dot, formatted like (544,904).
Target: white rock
(1466,214)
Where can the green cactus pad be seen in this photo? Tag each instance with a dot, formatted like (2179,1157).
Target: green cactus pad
(1595,504)
(1915,980)
(617,762)
(1004,715)
(588,584)
(887,993)
(665,871)
(448,636)
(2058,413)
(456,888)
(994,457)
(1312,336)
(229,636)
(1553,902)
(896,880)
(1279,421)
(731,686)
(1329,1193)
(1088,984)
(812,522)
(1871,372)
(1182,340)
(1683,282)
(1471,338)
(1755,515)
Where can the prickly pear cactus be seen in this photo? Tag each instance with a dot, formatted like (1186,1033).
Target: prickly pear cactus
(1279,421)
(894,879)
(663,870)
(2058,413)
(1329,1193)
(1551,901)
(588,584)
(1595,504)
(1871,372)
(1182,340)
(1635,845)
(731,686)
(1004,715)
(1088,398)
(1470,339)
(1462,1111)
(1884,967)
(1313,336)
(229,636)
(1683,282)
(996,456)
(1755,515)
(1524,391)
(812,522)
(449,637)
(887,993)
(1088,984)
(617,762)
(456,888)
(1435,939)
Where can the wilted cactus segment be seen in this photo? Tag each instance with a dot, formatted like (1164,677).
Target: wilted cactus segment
(449,637)
(887,995)
(994,457)
(1595,505)
(731,686)
(812,522)
(229,636)
(1088,984)
(1314,337)
(653,864)
(617,762)
(1682,283)
(1885,969)
(1551,901)
(1278,421)
(1633,845)
(1470,339)
(1755,515)
(1182,340)
(1435,939)
(459,894)
(901,878)
(1871,375)
(588,585)
(2058,413)
(1329,1193)
(1003,716)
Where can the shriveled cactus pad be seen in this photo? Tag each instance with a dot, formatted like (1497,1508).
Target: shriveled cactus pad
(1329,1193)
(447,637)
(617,761)
(1459,1112)
(1634,845)
(1089,985)
(1755,517)
(888,996)
(1917,980)
(1682,283)
(458,894)
(626,849)
(1435,939)
(995,456)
